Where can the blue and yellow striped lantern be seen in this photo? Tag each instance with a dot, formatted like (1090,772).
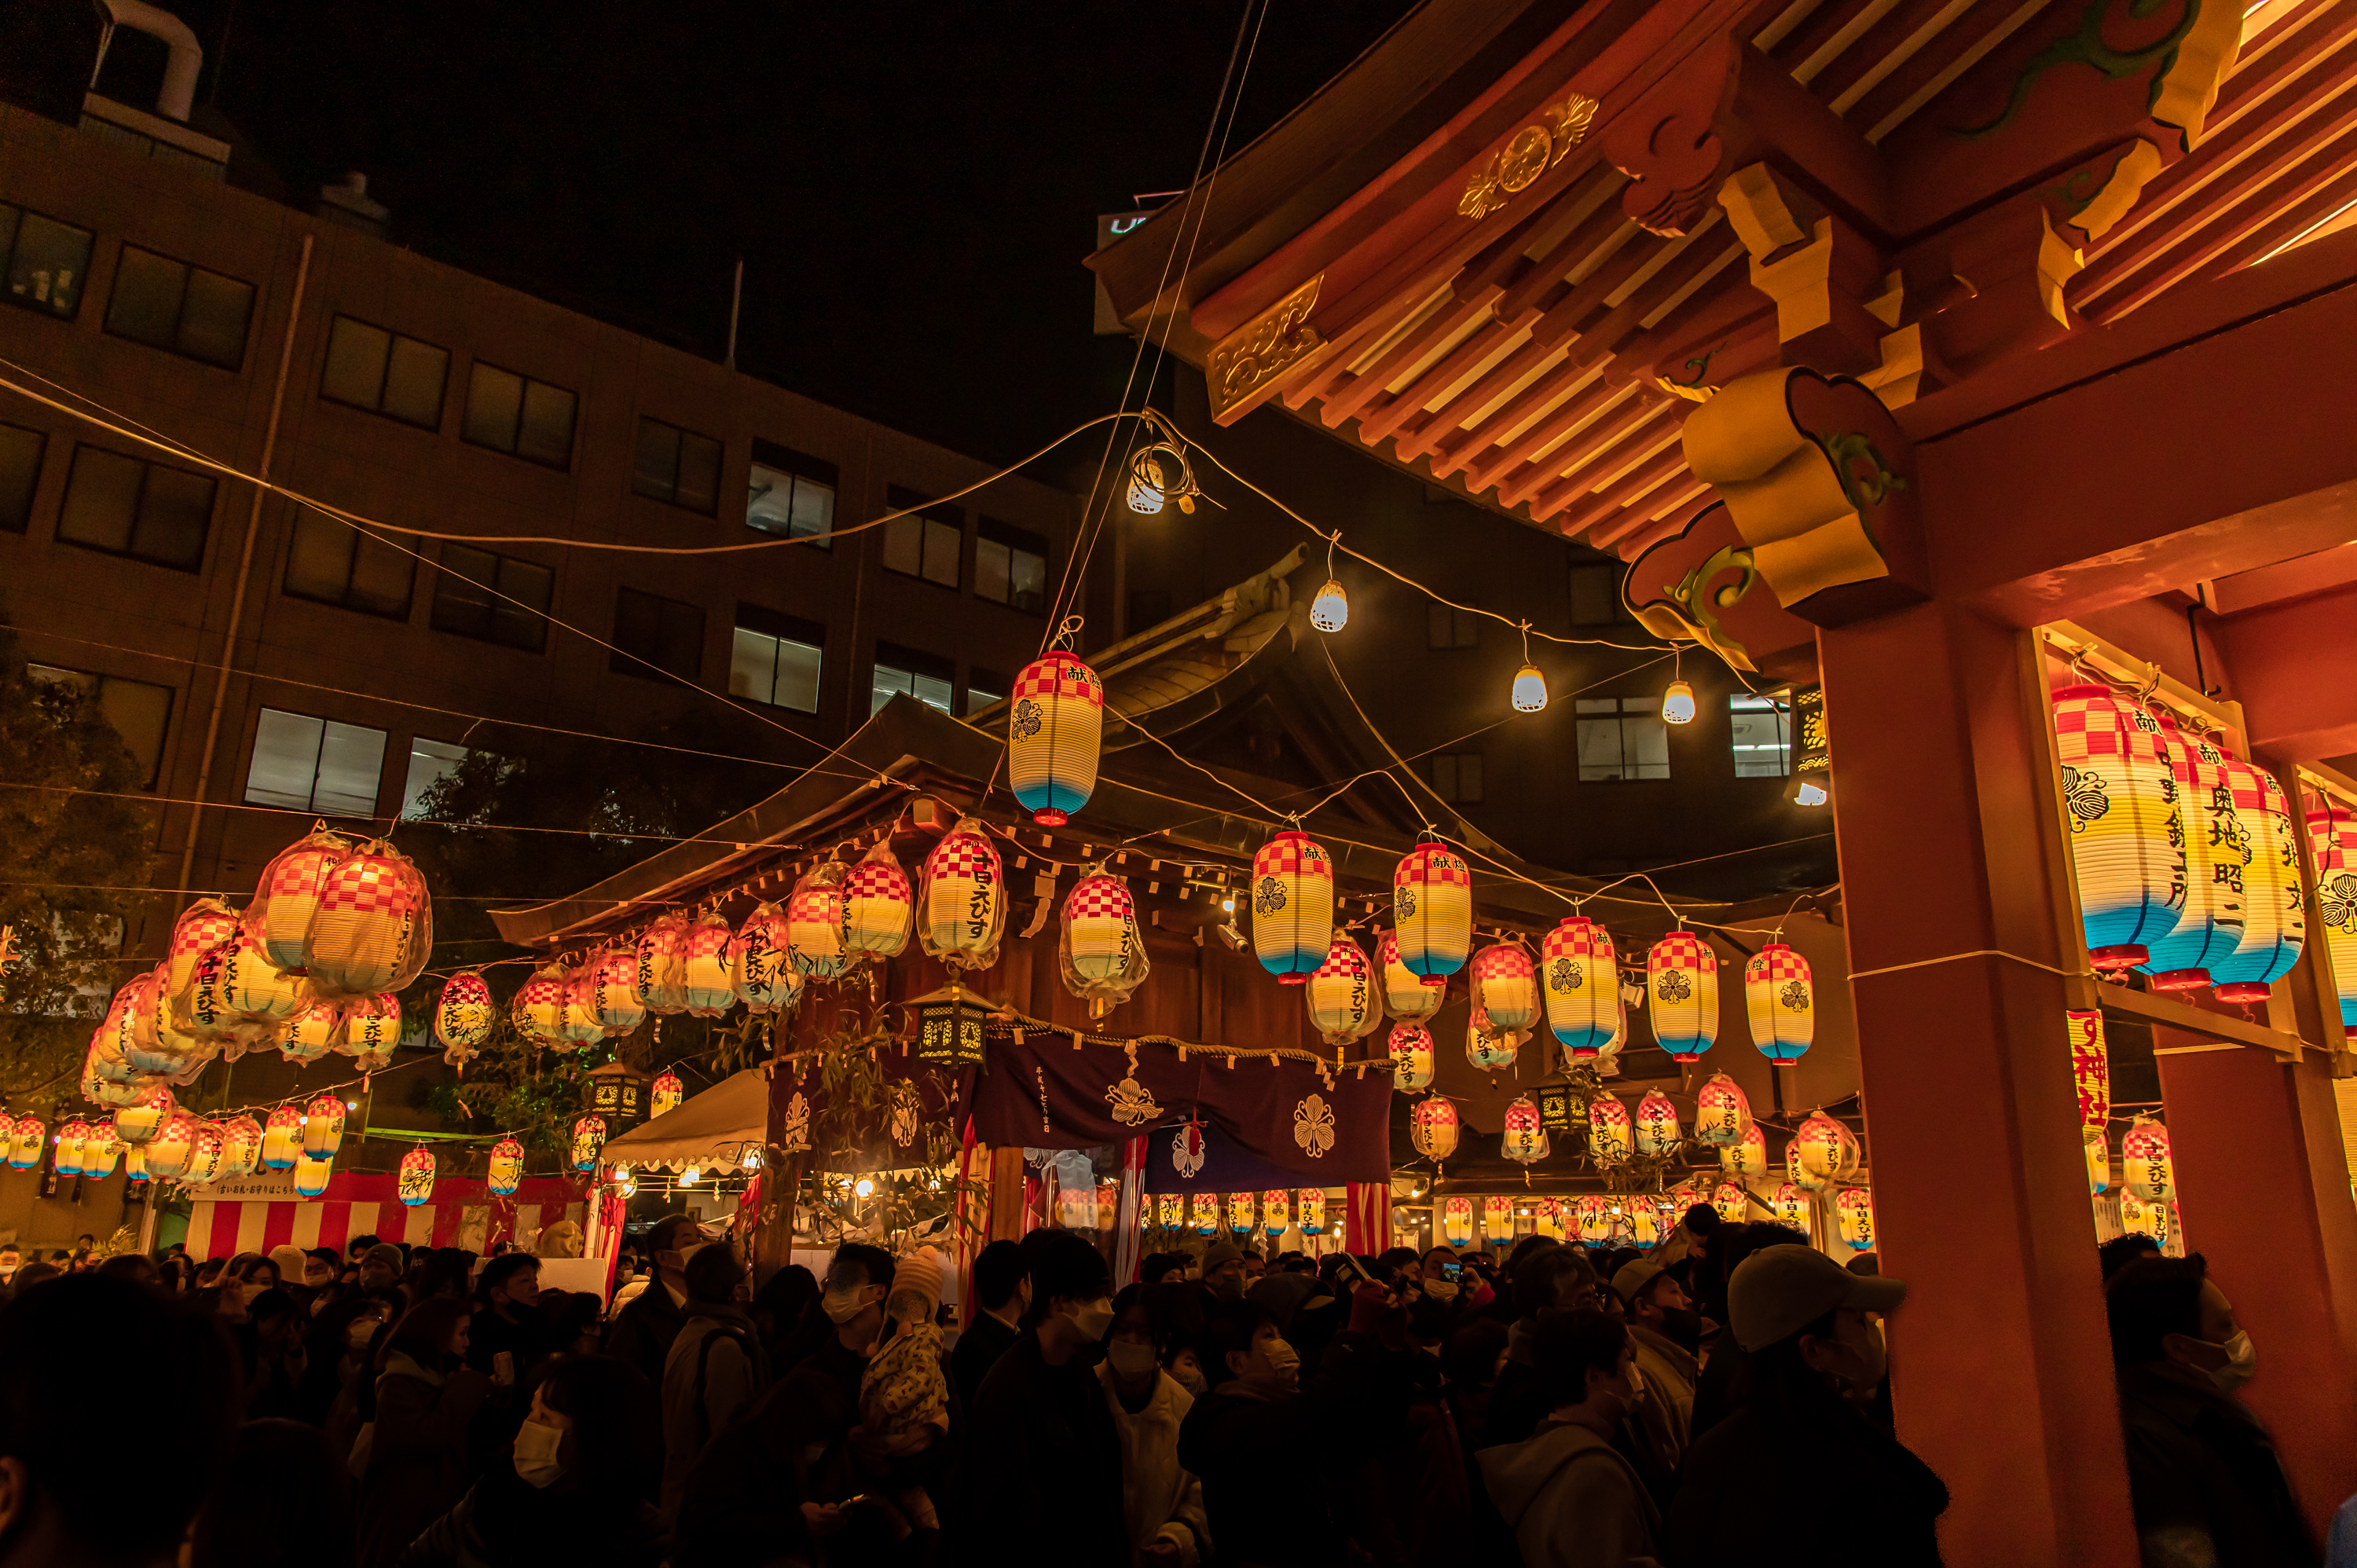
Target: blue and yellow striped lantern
(1854,1217)
(1411,1057)
(2141,1218)
(1405,995)
(878,905)
(1311,1203)
(1781,999)
(2145,1169)
(1491,1050)
(588,1138)
(1055,725)
(1657,1124)
(1341,994)
(282,1139)
(2128,832)
(311,1175)
(2330,831)
(1610,1138)
(1170,1210)
(1292,906)
(1240,1213)
(1457,1221)
(1730,1200)
(1207,1213)
(1583,986)
(1722,1111)
(815,924)
(2099,1164)
(962,902)
(2217,852)
(1275,1206)
(1432,911)
(761,963)
(703,970)
(1101,939)
(1791,1207)
(1745,1159)
(1432,1127)
(2275,906)
(1682,994)
(1505,988)
(506,1169)
(415,1181)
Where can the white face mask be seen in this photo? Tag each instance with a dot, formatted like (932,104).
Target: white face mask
(1092,1318)
(359,1332)
(1129,1359)
(536,1444)
(2241,1363)
(1283,1361)
(844,1303)
(1440,1290)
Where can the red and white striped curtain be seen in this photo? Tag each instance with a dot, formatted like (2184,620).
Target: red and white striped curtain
(1128,1216)
(1367,1217)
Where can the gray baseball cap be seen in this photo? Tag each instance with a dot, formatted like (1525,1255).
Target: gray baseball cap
(1778,1290)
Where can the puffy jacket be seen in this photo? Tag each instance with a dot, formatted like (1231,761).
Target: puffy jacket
(1160,1499)
(1573,1501)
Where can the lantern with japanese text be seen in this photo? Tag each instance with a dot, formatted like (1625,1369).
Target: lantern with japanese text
(1682,994)
(1207,1213)
(539,1005)
(1745,1159)
(1457,1221)
(2332,844)
(207,1154)
(1240,1213)
(1827,1148)
(1310,1202)
(311,1176)
(1583,986)
(1432,910)
(1055,724)
(282,1139)
(1644,1221)
(1340,994)
(2146,1169)
(143,1029)
(168,1151)
(1730,1200)
(1076,1208)
(1610,1136)
(1100,948)
(202,927)
(2139,1218)
(1593,1213)
(1497,1219)
(464,1013)
(1170,1210)
(2099,1164)
(323,1127)
(241,1148)
(1524,1140)
(588,1137)
(1546,1218)
(369,1030)
(1405,995)
(760,962)
(201,1007)
(665,1096)
(1721,1111)
(2217,852)
(1505,988)
(374,928)
(705,985)
(1412,1056)
(72,1136)
(1780,999)
(286,896)
(1274,1211)
(1657,1124)
(258,995)
(136,1122)
(2090,1066)
(962,899)
(1797,1171)
(312,1033)
(878,907)
(660,955)
(2275,906)
(1491,1050)
(1292,906)
(2127,833)
(134,1163)
(1432,1127)
(414,1182)
(1854,1217)
(1791,1207)
(505,1171)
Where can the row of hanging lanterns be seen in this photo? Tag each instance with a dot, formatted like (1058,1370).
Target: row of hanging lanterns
(1207,1213)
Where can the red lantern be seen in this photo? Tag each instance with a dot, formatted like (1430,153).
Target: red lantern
(1432,1127)
(1525,1139)
(1505,988)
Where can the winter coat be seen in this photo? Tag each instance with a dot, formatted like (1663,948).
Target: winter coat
(979,1346)
(1042,1464)
(1670,1372)
(2203,1476)
(1880,1511)
(716,1369)
(1159,1499)
(642,1332)
(418,1455)
(1572,1502)
(505,1522)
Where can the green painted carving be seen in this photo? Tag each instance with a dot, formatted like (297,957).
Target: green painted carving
(1699,606)
(1699,364)
(1863,490)
(2086,46)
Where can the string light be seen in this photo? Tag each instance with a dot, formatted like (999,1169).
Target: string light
(864,1186)
(1330,610)
(1678,702)
(1530,685)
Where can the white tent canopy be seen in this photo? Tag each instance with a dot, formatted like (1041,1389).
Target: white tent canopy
(714,1128)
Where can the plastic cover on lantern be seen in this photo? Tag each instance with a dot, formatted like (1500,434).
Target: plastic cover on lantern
(1682,994)
(1405,995)
(1055,726)
(311,1175)
(1610,1136)
(2128,832)
(1826,1148)
(323,1127)
(260,996)
(286,896)
(878,906)
(588,1137)
(1524,1138)
(369,1030)
(1432,910)
(1721,1111)
(1657,1123)
(962,898)
(1505,988)
(1582,986)
(311,1032)
(200,1007)
(662,956)
(2275,903)
(282,1139)
(704,981)
(464,1013)
(1292,906)
(1432,1127)
(168,1151)
(505,1170)
(374,925)
(539,1005)
(1730,1200)
(201,926)
(415,1181)
(1854,1217)
(207,1154)
(1780,999)
(1746,1158)
(665,1095)
(1340,994)
(2146,1169)
(241,1148)
(761,964)
(136,1122)
(1411,1051)
(1099,948)
(1490,1051)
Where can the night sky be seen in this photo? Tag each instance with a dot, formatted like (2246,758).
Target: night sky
(913,187)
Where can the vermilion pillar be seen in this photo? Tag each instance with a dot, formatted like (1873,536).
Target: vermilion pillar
(2001,1361)
(2263,1185)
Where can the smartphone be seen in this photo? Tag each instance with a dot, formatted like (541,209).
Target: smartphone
(1452,1271)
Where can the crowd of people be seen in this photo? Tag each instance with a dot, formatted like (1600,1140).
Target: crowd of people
(1561,1407)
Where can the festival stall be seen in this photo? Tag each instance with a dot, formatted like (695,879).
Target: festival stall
(253,1214)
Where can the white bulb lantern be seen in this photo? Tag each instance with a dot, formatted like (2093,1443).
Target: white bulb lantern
(691,1176)
(864,1186)
(1330,610)
(1530,690)
(1678,703)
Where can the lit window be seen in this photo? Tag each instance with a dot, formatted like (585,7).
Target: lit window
(430,762)
(1621,737)
(1760,734)
(140,713)
(924,676)
(166,304)
(43,262)
(984,688)
(1457,777)
(315,765)
(790,492)
(776,660)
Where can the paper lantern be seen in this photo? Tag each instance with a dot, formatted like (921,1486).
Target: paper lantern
(2146,1169)
(1645,1229)
(464,1013)
(311,1175)
(2099,1164)
(1099,949)
(202,926)
(168,1151)
(72,1136)
(1490,1051)
(2127,834)
(1206,1214)
(1721,1111)
(662,957)
(1593,1213)
(1682,994)
(2275,904)
(1583,986)
(1055,724)
(538,1008)
(241,1148)
(1457,1221)
(2091,1068)
(1745,1159)
(815,924)
(201,1007)
(1340,994)
(588,1137)
(134,1163)
(962,899)
(1170,1210)
(506,1167)
(370,1029)
(1330,608)
(374,925)
(1497,1219)
(288,894)
(136,1122)
(759,961)
(707,988)
(1826,1148)
(1678,702)
(1854,1218)
(2330,833)
(103,1060)
(1274,1211)
(1292,906)
(311,1032)
(878,907)
(2217,850)
(1610,1136)
(1310,1202)
(1791,1207)
(258,995)
(414,1183)
(1505,988)
(1432,911)
(1411,1046)
(1405,995)
(1730,1200)
(207,1154)
(666,1095)
(2138,1218)
(1432,1127)
(1798,1173)
(1525,1139)
(99,1151)
(1780,1001)
(1657,1124)
(1240,1213)
(323,1127)
(282,1139)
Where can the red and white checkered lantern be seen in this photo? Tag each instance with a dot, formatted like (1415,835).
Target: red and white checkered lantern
(1682,994)
(241,1147)
(323,1128)
(1405,995)
(505,1171)
(1341,994)
(1505,988)
(259,995)
(878,906)
(2217,858)
(1610,1136)
(1292,906)
(1310,1202)
(703,963)
(168,1151)
(288,894)
(136,1122)
(1055,725)
(202,926)
(2128,832)
(2332,844)
(661,955)
(962,898)
(371,1028)
(463,1015)
(1780,999)
(1826,1148)
(207,1154)
(1240,1211)
(815,924)
(1497,1217)
(1432,1127)
(72,1136)
(664,1096)
(1100,948)
(538,1008)
(1411,1054)
(1432,910)
(1524,1140)
(1791,1207)
(1457,1221)
(1730,1200)
(282,1139)
(1854,1217)
(2274,899)
(588,1137)
(1276,1210)
(761,961)
(414,1183)
(1745,1159)
(1657,1124)
(1206,1207)
(1582,986)
(1721,1111)
(374,928)
(1593,1213)
(2145,1169)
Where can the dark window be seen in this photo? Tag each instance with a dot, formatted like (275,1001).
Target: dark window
(140,713)
(20,471)
(652,630)
(430,762)
(1448,627)
(925,544)
(790,492)
(1621,737)
(495,597)
(336,563)
(1595,594)
(1010,567)
(1457,777)
(984,688)
(315,765)
(514,413)
(1760,735)
(168,304)
(927,677)
(43,261)
(776,659)
(383,371)
(677,465)
(145,510)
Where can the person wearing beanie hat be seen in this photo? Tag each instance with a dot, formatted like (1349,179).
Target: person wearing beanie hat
(904,1394)
(380,1266)
(1223,1271)
(1812,1333)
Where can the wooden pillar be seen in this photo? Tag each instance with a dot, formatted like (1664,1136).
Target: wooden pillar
(1951,852)
(2263,1186)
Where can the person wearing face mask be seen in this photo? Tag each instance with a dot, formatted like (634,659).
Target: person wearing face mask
(642,1332)
(717,1368)
(1042,1464)
(851,1307)
(1813,1336)
(1569,1497)
(904,1395)
(1002,1289)
(751,1497)
(1162,1503)
(415,1443)
(1223,1272)
(1665,1327)
(2203,1476)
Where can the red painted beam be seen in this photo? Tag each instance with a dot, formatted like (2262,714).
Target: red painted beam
(2293,666)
